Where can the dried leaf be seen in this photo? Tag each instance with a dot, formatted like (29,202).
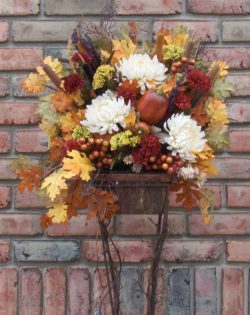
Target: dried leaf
(207,202)
(222,89)
(45,221)
(70,120)
(30,178)
(187,192)
(102,204)
(58,212)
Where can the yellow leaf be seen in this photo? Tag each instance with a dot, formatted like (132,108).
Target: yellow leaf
(78,164)
(207,201)
(77,97)
(204,161)
(56,182)
(168,86)
(58,212)
(122,48)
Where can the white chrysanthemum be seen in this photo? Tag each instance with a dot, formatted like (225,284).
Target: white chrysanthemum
(106,113)
(143,69)
(184,137)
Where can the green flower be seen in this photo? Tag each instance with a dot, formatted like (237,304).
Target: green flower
(103,73)
(172,52)
(81,132)
(123,139)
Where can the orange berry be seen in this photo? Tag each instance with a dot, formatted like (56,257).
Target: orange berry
(170,170)
(155,167)
(170,160)
(84,147)
(106,143)
(96,154)
(174,69)
(98,141)
(105,161)
(110,161)
(163,158)
(99,165)
(91,140)
(164,166)
(152,159)
(91,157)
(102,154)
(184,59)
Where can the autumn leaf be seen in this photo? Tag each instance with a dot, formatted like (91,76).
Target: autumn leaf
(76,198)
(57,151)
(56,182)
(133,33)
(58,212)
(45,221)
(206,203)
(78,164)
(217,136)
(199,114)
(102,203)
(30,178)
(187,192)
(129,120)
(222,89)
(168,86)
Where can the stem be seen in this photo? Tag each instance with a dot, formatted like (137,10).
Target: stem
(160,237)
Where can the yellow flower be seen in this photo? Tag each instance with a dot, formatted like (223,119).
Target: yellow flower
(55,65)
(103,73)
(123,139)
(217,111)
(34,83)
(179,39)
(223,68)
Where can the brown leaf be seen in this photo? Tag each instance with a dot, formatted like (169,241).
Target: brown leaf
(45,221)
(30,178)
(189,194)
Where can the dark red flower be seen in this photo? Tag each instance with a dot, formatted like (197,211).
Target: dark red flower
(79,57)
(150,146)
(73,82)
(70,145)
(183,101)
(198,80)
(128,90)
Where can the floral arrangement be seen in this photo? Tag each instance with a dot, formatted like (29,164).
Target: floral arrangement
(121,104)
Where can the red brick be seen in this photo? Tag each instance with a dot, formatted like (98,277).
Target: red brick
(12,59)
(145,7)
(54,291)
(206,29)
(241,84)
(215,188)
(31,141)
(18,113)
(130,251)
(4,197)
(8,291)
(232,291)
(238,251)
(218,7)
(235,31)
(239,111)
(29,200)
(100,292)
(4,29)
(78,291)
(234,167)
(6,171)
(4,141)
(181,251)
(31,290)
(4,86)
(238,196)
(19,7)
(205,291)
(19,224)
(75,227)
(235,57)
(136,224)
(223,224)
(239,140)
(4,251)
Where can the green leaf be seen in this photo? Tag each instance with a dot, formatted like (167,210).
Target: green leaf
(46,110)
(217,136)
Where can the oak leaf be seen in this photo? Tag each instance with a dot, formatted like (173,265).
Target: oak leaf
(122,48)
(56,182)
(102,203)
(30,178)
(199,114)
(187,192)
(206,203)
(78,164)
(58,212)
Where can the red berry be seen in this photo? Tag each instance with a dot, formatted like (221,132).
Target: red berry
(179,163)
(170,170)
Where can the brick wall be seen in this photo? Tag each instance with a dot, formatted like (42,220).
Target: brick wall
(206,267)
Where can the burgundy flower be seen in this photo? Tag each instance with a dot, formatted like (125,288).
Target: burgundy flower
(183,101)
(79,57)
(198,80)
(128,91)
(73,82)
(149,146)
